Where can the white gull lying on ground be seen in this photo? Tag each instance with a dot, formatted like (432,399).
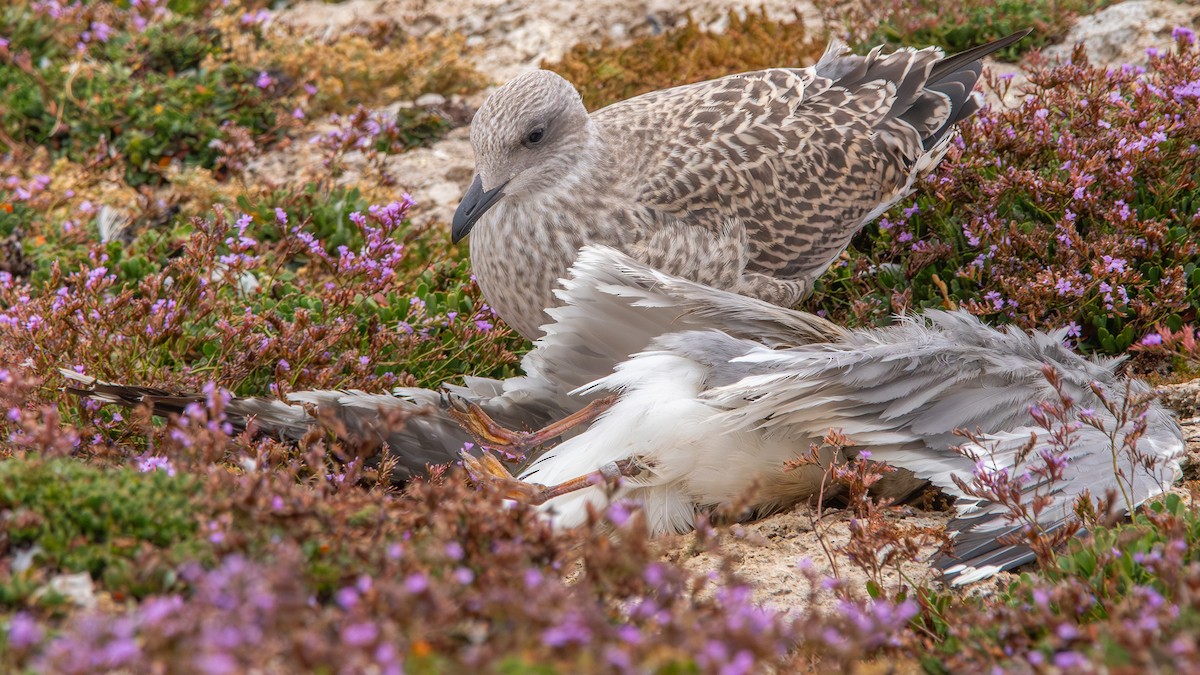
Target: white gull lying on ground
(730,388)
(717,391)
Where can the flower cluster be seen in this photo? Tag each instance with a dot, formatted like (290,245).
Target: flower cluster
(1072,207)
(371,136)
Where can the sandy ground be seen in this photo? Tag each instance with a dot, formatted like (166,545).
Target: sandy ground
(513,37)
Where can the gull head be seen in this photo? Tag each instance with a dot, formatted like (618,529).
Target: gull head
(527,137)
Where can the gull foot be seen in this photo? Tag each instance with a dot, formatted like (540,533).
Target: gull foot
(489,433)
(488,469)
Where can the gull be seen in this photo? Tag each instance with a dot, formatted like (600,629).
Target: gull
(730,389)
(753,183)
(714,393)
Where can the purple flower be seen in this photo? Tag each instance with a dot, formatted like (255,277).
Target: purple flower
(1041,598)
(464,575)
(360,634)
(281,216)
(416,583)
(618,513)
(454,550)
(1152,339)
(1122,209)
(653,574)
(619,660)
(1188,90)
(346,597)
(714,651)
(629,634)
(742,663)
(253,19)
(23,631)
(533,578)
(572,630)
(215,663)
(264,80)
(1184,35)
(101,31)
(156,463)
(1069,661)
(156,610)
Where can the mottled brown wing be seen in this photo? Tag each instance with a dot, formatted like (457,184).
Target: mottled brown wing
(797,158)
(803,157)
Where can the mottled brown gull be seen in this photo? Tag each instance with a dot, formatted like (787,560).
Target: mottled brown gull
(716,391)
(753,183)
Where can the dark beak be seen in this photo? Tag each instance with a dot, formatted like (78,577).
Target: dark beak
(473,205)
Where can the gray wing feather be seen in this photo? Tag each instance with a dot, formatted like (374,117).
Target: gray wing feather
(615,307)
(412,422)
(875,386)
(590,336)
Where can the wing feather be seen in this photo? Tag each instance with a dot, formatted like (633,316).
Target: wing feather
(834,144)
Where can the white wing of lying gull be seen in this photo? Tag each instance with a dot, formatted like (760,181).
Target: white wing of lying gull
(733,387)
(753,183)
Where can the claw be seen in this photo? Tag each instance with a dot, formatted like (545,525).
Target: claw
(487,469)
(488,432)
(480,425)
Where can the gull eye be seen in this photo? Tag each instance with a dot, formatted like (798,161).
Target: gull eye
(535,136)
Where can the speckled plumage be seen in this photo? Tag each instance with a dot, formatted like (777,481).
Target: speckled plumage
(752,183)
